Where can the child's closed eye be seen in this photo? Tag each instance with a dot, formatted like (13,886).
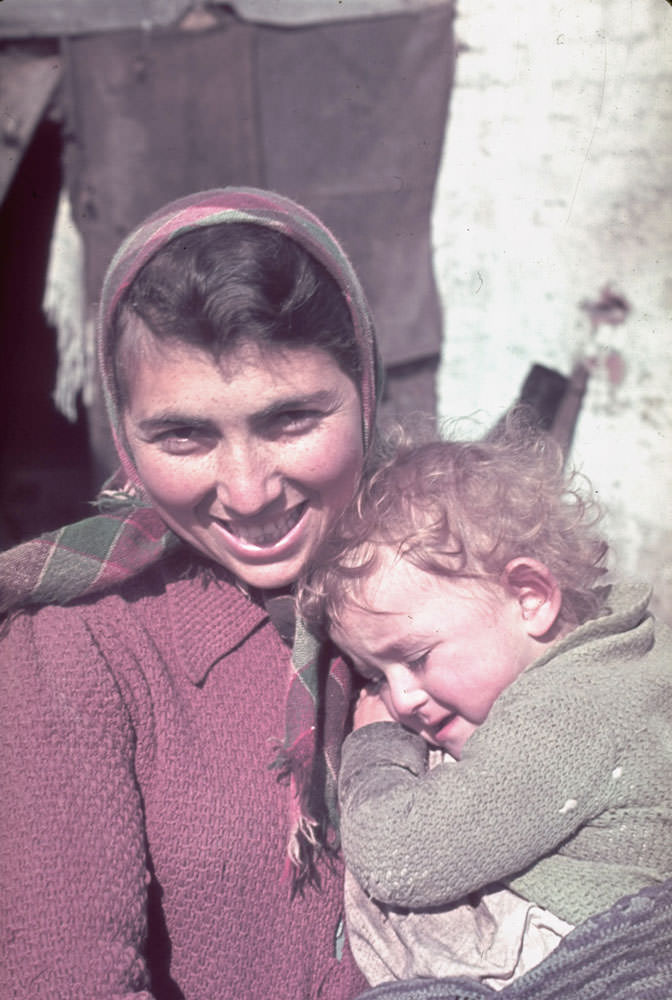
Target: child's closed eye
(373,678)
(418,663)
(374,685)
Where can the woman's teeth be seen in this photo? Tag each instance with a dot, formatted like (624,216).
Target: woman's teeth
(268,533)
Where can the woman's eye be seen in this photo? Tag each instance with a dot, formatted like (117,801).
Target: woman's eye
(179,440)
(294,421)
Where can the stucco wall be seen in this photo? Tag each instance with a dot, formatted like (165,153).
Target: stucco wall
(556,182)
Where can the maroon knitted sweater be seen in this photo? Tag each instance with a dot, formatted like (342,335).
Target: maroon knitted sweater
(145,837)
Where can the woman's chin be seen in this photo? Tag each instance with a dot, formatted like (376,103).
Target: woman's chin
(271,577)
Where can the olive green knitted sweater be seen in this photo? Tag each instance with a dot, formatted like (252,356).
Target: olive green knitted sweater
(564,793)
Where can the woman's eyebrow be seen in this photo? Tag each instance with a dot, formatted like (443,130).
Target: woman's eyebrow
(322,397)
(174,418)
(171,418)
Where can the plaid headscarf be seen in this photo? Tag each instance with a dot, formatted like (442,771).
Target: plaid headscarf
(128,535)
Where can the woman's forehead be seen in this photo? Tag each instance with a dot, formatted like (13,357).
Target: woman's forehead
(139,347)
(159,374)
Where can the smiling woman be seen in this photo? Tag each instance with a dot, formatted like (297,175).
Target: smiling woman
(249,458)
(239,368)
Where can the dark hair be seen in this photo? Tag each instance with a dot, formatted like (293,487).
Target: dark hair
(218,285)
(461,508)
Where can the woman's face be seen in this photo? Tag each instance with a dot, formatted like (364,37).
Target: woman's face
(249,459)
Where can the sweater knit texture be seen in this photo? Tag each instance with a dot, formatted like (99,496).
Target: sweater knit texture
(563,794)
(144,832)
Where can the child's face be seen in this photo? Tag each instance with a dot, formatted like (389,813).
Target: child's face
(439,650)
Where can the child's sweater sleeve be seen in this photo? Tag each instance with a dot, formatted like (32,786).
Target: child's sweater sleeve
(528,778)
(72,863)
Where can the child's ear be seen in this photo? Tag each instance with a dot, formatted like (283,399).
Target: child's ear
(537,592)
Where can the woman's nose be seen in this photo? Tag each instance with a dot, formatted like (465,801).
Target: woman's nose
(406,695)
(247,479)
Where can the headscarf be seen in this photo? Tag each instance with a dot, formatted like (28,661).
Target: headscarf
(128,535)
(234,205)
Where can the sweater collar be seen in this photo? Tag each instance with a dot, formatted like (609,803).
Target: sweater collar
(625,614)
(209,618)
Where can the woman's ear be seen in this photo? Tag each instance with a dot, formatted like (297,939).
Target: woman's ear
(537,591)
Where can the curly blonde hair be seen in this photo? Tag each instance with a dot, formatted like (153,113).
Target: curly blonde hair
(462,508)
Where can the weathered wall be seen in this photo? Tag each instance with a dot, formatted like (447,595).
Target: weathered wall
(557,182)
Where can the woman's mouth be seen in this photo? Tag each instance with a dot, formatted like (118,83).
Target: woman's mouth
(265,534)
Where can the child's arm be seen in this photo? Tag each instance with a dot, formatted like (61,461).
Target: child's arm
(528,779)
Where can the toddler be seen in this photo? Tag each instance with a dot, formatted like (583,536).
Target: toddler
(465,587)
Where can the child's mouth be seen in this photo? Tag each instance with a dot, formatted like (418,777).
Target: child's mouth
(441,731)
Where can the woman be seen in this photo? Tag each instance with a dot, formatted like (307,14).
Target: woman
(145,852)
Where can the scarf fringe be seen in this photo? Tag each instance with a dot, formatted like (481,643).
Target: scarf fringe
(309,841)
(115,497)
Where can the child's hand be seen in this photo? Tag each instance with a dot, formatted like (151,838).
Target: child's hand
(370,707)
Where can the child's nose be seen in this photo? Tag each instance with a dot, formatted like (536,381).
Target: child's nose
(406,694)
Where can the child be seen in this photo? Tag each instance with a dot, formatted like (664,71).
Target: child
(464,588)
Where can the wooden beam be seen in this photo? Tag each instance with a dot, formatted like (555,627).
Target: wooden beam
(27,83)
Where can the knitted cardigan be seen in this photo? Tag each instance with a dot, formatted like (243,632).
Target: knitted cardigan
(143,833)
(563,794)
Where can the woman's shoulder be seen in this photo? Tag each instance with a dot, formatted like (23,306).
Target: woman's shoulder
(64,646)
(113,604)
(135,595)
(175,618)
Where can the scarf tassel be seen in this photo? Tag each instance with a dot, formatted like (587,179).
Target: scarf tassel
(309,840)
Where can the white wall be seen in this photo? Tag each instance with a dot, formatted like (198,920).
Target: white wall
(556,181)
